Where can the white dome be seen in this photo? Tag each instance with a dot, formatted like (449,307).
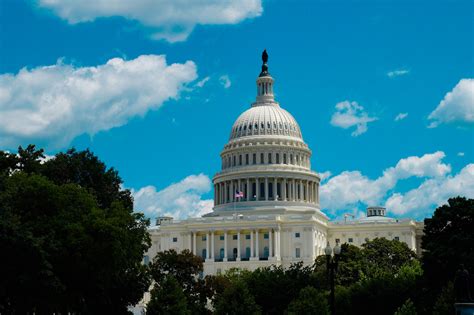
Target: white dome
(266,119)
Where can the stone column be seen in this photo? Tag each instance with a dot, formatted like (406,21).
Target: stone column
(207,246)
(212,246)
(257,189)
(251,245)
(247,192)
(277,244)
(294,189)
(275,196)
(301,191)
(257,251)
(225,192)
(307,191)
(232,191)
(239,188)
(238,245)
(225,245)
(270,244)
(283,189)
(194,242)
(266,188)
(190,243)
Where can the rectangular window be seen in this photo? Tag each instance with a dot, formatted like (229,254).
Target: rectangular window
(146,260)
(277,158)
(350,240)
(175,239)
(247,236)
(234,237)
(262,158)
(284,158)
(254,158)
(204,237)
(396,238)
(265,236)
(240,159)
(233,161)
(297,234)
(297,253)
(221,237)
(246,159)
(269,158)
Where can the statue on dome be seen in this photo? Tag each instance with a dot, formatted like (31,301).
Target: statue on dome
(264,56)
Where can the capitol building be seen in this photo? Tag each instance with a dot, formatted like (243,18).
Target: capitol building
(266,200)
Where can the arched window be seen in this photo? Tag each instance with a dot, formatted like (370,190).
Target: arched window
(284,158)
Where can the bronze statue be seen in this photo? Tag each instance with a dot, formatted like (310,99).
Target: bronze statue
(264,56)
(264,66)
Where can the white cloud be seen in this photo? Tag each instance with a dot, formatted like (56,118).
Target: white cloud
(349,114)
(225,81)
(433,192)
(324,175)
(401,116)
(59,102)
(460,153)
(179,200)
(351,188)
(202,82)
(457,105)
(397,73)
(172,20)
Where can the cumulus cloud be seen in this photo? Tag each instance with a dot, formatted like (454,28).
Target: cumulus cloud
(397,73)
(457,105)
(171,20)
(179,200)
(59,102)
(401,116)
(433,192)
(351,114)
(225,81)
(351,188)
(460,153)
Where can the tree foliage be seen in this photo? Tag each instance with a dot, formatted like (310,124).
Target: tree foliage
(309,301)
(168,299)
(65,251)
(236,300)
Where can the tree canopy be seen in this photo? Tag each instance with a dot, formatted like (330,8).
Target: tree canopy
(67,247)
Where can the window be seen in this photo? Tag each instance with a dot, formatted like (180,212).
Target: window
(396,238)
(246,159)
(204,254)
(221,237)
(284,158)
(350,240)
(221,252)
(234,252)
(247,252)
(247,236)
(277,158)
(291,158)
(337,240)
(265,236)
(146,260)
(262,157)
(233,164)
(266,252)
(234,237)
(254,158)
(240,159)
(297,234)
(175,239)
(297,252)
(269,158)
(204,237)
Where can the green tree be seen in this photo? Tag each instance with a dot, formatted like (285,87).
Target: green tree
(408,308)
(309,301)
(66,253)
(168,299)
(448,241)
(236,300)
(185,268)
(445,301)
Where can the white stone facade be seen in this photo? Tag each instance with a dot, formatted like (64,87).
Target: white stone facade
(278,220)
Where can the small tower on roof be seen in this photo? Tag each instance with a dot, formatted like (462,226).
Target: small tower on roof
(265,84)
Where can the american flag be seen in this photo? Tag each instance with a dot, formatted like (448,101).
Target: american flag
(239,194)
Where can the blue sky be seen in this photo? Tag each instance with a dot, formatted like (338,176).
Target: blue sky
(163,110)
